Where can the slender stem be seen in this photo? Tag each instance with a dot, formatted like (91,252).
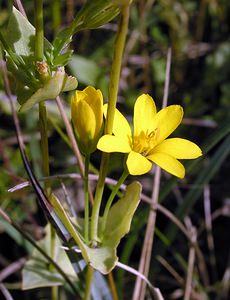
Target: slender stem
(39,33)
(60,211)
(44,143)
(38,53)
(113,92)
(72,141)
(98,198)
(111,198)
(112,286)
(89,280)
(86,199)
(56,14)
(54,293)
(54,289)
(116,67)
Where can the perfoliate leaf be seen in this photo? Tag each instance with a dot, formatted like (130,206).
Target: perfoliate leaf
(104,258)
(20,35)
(58,83)
(37,273)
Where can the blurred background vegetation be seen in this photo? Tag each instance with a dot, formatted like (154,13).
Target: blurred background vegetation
(199,34)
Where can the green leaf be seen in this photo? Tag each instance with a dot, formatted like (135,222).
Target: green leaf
(62,59)
(18,42)
(37,273)
(84,69)
(20,35)
(58,83)
(104,258)
(92,15)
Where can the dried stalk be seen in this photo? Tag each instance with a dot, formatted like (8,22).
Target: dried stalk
(191,261)
(73,141)
(140,286)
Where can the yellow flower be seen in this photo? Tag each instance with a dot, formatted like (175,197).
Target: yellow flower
(87,117)
(148,143)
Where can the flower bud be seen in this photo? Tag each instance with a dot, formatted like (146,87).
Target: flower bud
(87,117)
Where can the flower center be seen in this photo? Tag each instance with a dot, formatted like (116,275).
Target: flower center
(145,141)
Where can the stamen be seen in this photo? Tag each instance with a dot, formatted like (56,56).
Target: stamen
(145,141)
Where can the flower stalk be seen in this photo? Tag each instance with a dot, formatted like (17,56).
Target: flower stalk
(113,92)
(39,33)
(89,279)
(111,198)
(86,199)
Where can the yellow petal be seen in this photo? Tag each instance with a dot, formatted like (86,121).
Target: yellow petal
(167,120)
(84,121)
(110,143)
(179,148)
(144,114)
(80,95)
(95,100)
(168,163)
(121,126)
(94,97)
(137,164)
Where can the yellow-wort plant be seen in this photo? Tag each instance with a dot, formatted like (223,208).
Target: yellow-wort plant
(97,126)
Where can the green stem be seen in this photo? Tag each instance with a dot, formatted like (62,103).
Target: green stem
(98,198)
(116,67)
(86,199)
(56,14)
(111,198)
(113,92)
(54,293)
(89,280)
(44,143)
(38,53)
(54,289)
(39,33)
(59,210)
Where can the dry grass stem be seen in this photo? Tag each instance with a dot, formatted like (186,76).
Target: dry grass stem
(12,268)
(73,141)
(171,270)
(5,292)
(191,262)
(140,286)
